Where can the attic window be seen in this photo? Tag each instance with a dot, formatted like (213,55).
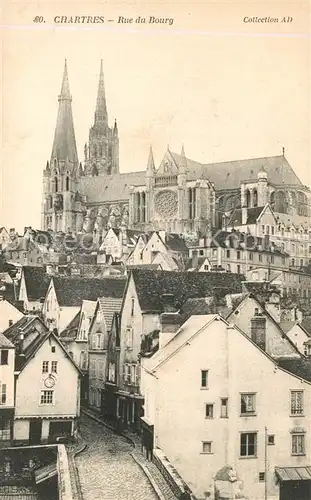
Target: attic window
(53,348)
(237,312)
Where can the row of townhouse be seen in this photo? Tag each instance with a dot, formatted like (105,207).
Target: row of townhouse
(40,385)
(234,417)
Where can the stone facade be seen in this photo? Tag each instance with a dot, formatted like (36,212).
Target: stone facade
(180,196)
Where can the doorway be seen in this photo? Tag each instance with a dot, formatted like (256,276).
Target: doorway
(35,431)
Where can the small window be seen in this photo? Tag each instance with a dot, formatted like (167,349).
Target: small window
(296,406)
(54,367)
(256,311)
(238,269)
(45,367)
(224,407)
(3,394)
(46,397)
(53,348)
(132,306)
(263,229)
(261,476)
(207,447)
(4,357)
(228,254)
(248,444)
(129,337)
(298,444)
(238,254)
(260,257)
(271,439)
(209,411)
(250,256)
(272,230)
(204,378)
(247,404)
(201,252)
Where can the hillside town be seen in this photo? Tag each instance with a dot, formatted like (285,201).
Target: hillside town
(155,332)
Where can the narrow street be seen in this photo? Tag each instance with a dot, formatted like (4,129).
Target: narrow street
(106,469)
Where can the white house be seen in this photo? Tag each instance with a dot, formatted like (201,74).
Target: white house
(232,421)
(298,335)
(47,399)
(8,314)
(33,287)
(7,360)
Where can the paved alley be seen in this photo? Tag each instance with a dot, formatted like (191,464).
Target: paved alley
(106,469)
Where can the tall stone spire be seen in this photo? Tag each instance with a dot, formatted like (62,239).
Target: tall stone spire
(64,145)
(150,164)
(101,107)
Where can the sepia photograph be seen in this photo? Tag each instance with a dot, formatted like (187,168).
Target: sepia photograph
(155,251)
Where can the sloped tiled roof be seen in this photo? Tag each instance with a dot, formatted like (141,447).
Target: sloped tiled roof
(13,332)
(5,343)
(111,187)
(175,242)
(306,324)
(71,330)
(36,281)
(300,367)
(72,291)
(252,215)
(109,306)
(151,285)
(230,174)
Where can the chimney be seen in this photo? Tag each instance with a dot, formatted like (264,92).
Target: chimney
(244,216)
(168,302)
(258,331)
(170,323)
(195,259)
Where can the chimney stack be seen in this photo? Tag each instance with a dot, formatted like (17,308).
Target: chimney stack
(258,331)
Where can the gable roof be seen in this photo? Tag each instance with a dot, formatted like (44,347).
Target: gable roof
(230,174)
(33,347)
(298,367)
(151,285)
(71,330)
(109,306)
(14,331)
(72,291)
(36,281)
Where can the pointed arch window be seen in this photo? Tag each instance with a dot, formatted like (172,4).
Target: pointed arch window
(55,184)
(67,183)
(248,198)
(192,202)
(143,206)
(255,198)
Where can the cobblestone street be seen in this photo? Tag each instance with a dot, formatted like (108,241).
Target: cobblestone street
(106,469)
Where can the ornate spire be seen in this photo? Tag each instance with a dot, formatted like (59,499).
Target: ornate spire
(101,108)
(65,92)
(64,145)
(183,162)
(151,165)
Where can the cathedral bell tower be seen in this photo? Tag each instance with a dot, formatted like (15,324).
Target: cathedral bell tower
(101,154)
(60,205)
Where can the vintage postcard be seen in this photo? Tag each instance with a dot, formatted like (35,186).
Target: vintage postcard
(155,250)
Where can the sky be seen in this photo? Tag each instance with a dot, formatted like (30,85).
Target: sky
(225,88)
